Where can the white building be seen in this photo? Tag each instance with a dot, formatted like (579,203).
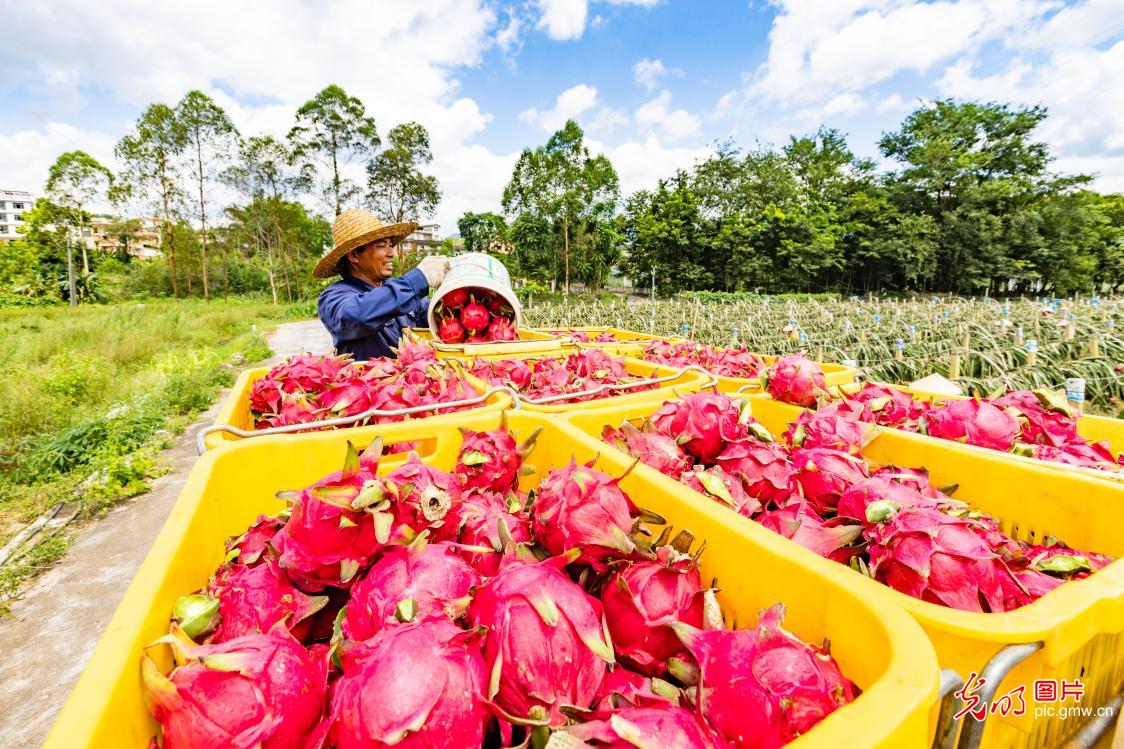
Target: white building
(13,203)
(427,239)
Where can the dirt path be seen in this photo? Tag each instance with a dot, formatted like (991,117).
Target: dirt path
(53,629)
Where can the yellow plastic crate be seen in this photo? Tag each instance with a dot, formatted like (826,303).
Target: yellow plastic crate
(1081,624)
(235,410)
(678,380)
(881,649)
(530,341)
(1096,428)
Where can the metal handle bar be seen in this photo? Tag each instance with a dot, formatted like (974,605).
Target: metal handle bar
(201,438)
(624,386)
(993,673)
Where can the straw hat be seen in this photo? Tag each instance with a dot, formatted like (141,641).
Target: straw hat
(353,229)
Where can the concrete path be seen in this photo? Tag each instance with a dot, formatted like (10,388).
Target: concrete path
(54,628)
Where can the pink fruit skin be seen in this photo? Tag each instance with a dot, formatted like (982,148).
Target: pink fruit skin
(577,507)
(545,645)
(642,599)
(800,524)
(938,558)
(763,687)
(853,502)
(702,422)
(252,544)
(253,599)
(426,498)
(500,472)
(974,422)
(474,317)
(502,329)
(418,686)
(824,474)
(667,726)
(450,330)
(274,699)
(1043,426)
(795,379)
(830,426)
(483,512)
(455,298)
(738,500)
(763,467)
(433,576)
(652,448)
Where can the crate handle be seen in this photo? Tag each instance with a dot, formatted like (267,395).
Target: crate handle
(993,673)
(1095,729)
(201,438)
(625,386)
(945,737)
(749,386)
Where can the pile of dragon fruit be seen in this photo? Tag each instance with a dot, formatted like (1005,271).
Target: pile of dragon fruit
(576,373)
(583,336)
(815,488)
(426,608)
(474,315)
(1039,423)
(724,362)
(309,388)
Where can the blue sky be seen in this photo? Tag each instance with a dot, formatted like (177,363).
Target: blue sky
(654,82)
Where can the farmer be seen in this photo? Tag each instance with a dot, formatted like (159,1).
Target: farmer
(367,309)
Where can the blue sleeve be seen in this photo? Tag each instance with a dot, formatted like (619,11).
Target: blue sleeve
(349,314)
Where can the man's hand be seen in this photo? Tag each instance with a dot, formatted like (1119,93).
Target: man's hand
(434,268)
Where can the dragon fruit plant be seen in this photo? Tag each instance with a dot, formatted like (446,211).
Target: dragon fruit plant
(306,389)
(815,488)
(419,607)
(734,361)
(553,376)
(474,315)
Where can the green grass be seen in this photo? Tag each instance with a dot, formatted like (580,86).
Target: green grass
(88,398)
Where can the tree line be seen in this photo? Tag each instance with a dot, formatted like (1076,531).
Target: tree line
(968,205)
(174,163)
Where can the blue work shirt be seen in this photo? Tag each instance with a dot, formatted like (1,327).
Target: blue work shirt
(365,320)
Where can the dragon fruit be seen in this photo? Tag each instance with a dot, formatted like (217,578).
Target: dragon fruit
(642,598)
(412,351)
(491,461)
(248,548)
(974,422)
(326,541)
(718,484)
(827,428)
(417,686)
(703,423)
(938,558)
(652,448)
(596,364)
(475,317)
(253,599)
(547,644)
(668,726)
(455,298)
(296,408)
(502,329)
(824,474)
(1044,416)
(855,502)
(307,372)
(1025,586)
(578,507)
(795,379)
(761,688)
(797,522)
(265,396)
(491,523)
(261,690)
(1078,453)
(450,330)
(347,398)
(422,498)
(764,469)
(623,687)
(915,478)
(1055,558)
(407,583)
(513,372)
(887,406)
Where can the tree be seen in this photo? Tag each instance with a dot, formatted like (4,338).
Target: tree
(75,180)
(564,184)
(482,232)
(331,130)
(150,155)
(210,135)
(263,169)
(396,188)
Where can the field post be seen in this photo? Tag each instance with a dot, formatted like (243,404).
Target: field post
(1094,347)
(1031,352)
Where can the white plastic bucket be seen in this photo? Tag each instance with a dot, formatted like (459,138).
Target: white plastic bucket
(474,270)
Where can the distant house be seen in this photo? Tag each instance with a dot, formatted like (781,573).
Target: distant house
(426,240)
(13,203)
(104,234)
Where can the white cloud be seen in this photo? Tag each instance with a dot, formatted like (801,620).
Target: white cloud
(562,19)
(1087,23)
(675,125)
(892,103)
(640,3)
(570,104)
(508,36)
(26,155)
(649,72)
(640,164)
